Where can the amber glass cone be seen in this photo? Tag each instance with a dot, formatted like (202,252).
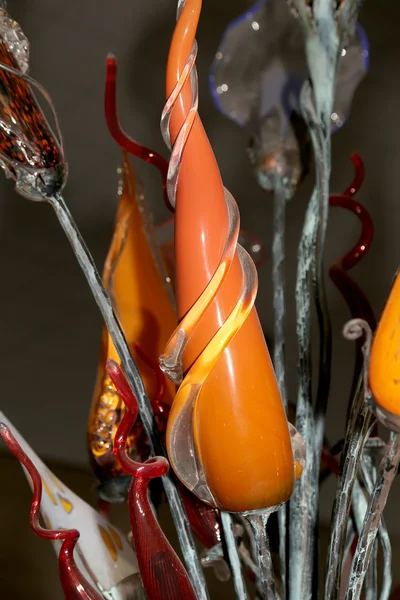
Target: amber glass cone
(135,283)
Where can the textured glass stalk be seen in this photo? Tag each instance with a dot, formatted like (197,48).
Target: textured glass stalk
(234,560)
(258,523)
(326,31)
(358,430)
(104,303)
(278,286)
(370,463)
(386,474)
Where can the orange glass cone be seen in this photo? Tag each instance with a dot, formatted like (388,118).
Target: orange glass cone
(384,368)
(134,278)
(239,423)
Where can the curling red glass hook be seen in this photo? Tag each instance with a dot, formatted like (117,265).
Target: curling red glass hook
(358,175)
(358,303)
(346,200)
(119,135)
(154,467)
(354,296)
(163,574)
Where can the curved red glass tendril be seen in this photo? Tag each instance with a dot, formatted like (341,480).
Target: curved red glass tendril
(331,462)
(161,411)
(163,575)
(119,135)
(356,300)
(138,150)
(74,584)
(354,296)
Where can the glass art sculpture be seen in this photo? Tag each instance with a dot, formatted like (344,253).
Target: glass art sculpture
(178,300)
(207,459)
(256,81)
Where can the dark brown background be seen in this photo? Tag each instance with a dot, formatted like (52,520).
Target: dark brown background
(50,326)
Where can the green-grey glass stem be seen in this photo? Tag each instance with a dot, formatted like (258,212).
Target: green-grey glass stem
(358,429)
(365,546)
(368,472)
(146,413)
(278,287)
(258,523)
(234,560)
(323,45)
(303,504)
(359,506)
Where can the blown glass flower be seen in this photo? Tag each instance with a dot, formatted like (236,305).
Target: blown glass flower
(30,153)
(257,76)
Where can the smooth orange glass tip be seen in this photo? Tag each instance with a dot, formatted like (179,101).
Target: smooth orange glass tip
(384,368)
(241,432)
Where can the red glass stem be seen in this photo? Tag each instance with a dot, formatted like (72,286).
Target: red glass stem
(74,584)
(163,575)
(154,467)
(204,520)
(331,462)
(119,135)
(359,175)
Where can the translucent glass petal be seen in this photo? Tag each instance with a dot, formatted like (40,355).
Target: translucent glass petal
(260,64)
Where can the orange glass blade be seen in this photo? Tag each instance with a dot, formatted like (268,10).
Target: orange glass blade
(134,277)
